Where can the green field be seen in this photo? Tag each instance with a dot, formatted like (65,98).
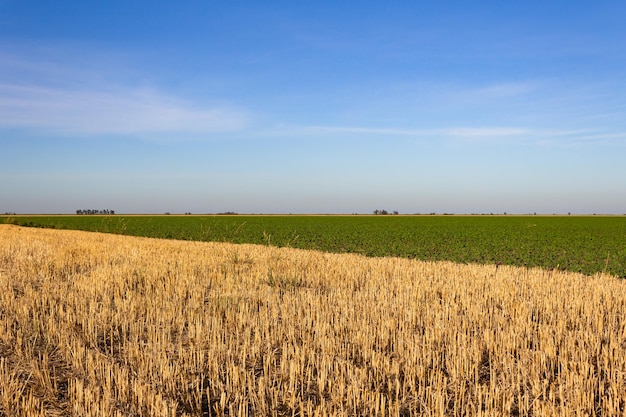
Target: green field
(587,244)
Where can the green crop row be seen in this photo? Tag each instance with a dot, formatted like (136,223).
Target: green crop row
(587,244)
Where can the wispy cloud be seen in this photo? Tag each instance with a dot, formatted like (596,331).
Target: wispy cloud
(600,137)
(116,110)
(487,134)
(496,91)
(355,129)
(49,90)
(484,132)
(461,132)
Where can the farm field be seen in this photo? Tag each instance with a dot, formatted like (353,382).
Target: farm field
(96,324)
(586,244)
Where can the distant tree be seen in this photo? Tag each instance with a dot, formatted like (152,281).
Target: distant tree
(94,211)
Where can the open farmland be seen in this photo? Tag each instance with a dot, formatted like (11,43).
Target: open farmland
(587,244)
(105,325)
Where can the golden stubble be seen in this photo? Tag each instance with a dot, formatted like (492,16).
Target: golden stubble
(104,325)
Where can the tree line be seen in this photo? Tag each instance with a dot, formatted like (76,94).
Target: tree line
(384,212)
(91,211)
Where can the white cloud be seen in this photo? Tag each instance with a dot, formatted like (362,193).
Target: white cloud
(112,110)
(486,134)
(356,129)
(495,91)
(461,132)
(88,90)
(600,137)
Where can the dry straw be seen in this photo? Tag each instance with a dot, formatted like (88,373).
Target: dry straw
(104,325)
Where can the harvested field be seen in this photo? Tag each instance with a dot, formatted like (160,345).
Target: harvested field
(106,325)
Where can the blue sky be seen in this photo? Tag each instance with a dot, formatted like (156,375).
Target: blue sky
(313,107)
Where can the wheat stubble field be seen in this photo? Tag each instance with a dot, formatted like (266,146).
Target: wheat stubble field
(104,325)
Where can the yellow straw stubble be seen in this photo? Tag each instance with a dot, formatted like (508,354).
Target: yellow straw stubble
(104,325)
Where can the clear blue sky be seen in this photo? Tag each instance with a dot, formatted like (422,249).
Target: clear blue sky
(313,107)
